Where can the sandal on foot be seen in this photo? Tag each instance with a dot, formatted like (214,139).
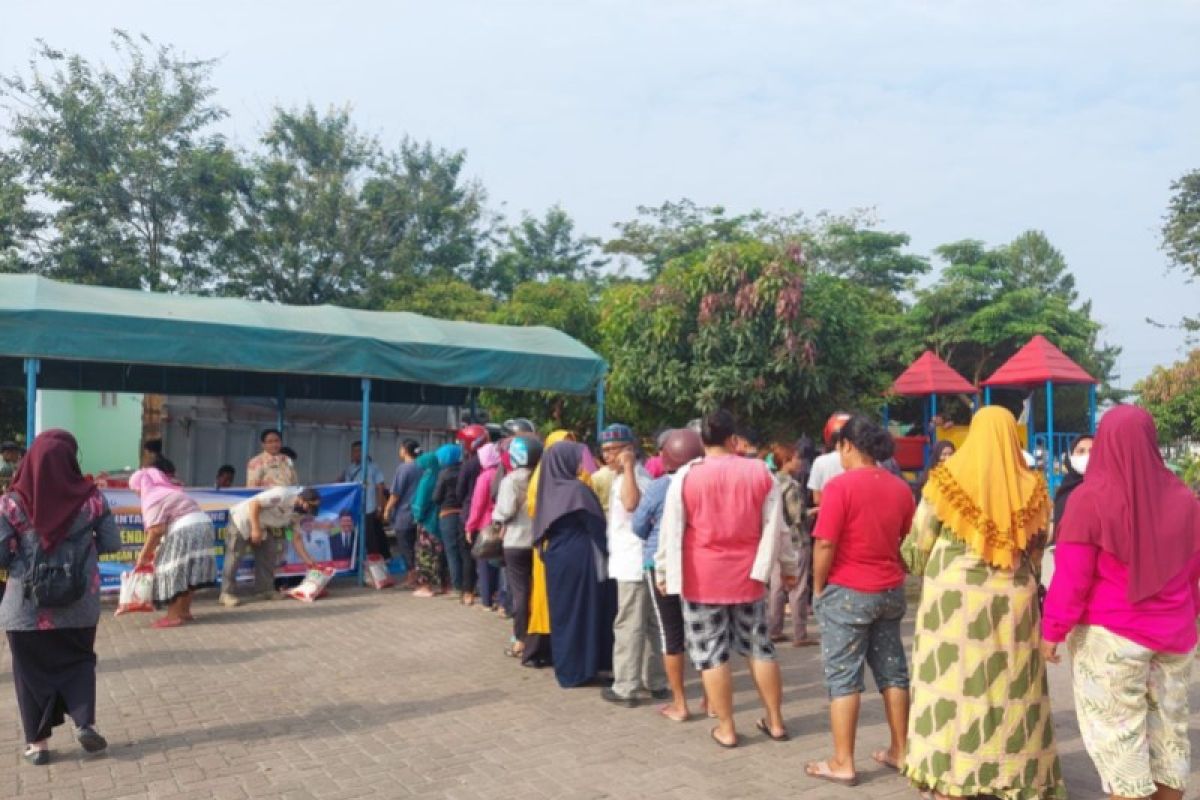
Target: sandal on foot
(765,728)
(882,759)
(820,771)
(38,757)
(167,622)
(713,735)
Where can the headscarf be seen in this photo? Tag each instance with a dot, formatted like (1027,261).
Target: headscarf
(50,487)
(525,451)
(424,510)
(449,455)
(152,486)
(1070,482)
(482,501)
(986,495)
(561,492)
(554,438)
(1132,506)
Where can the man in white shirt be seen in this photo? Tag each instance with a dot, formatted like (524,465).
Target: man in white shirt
(827,467)
(637,665)
(277,508)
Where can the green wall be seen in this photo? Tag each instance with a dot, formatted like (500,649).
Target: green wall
(108,426)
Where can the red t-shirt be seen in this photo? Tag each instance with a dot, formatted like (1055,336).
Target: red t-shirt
(723,501)
(866,513)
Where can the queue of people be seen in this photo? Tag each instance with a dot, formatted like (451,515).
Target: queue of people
(696,556)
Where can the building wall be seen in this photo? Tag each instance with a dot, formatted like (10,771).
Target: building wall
(107,425)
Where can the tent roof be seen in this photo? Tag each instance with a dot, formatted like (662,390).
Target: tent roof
(930,375)
(1038,362)
(143,341)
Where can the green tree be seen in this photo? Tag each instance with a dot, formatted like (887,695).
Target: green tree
(1181,232)
(19,223)
(742,326)
(566,305)
(1172,395)
(138,189)
(541,249)
(302,241)
(848,247)
(424,219)
(445,298)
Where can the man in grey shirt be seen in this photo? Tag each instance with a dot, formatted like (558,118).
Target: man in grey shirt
(399,504)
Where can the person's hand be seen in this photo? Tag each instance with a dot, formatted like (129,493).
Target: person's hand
(143,560)
(1050,652)
(256,536)
(626,459)
(790,582)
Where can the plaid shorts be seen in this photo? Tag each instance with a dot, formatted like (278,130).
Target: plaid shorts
(714,630)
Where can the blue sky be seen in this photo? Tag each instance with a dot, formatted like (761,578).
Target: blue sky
(950,119)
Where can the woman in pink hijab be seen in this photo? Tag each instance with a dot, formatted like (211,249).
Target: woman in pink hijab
(1124,597)
(179,544)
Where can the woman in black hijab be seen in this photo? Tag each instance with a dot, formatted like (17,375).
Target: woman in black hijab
(1076,464)
(569,530)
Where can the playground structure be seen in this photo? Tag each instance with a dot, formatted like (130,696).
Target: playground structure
(926,378)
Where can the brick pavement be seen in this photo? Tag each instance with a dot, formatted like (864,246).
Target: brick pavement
(384,695)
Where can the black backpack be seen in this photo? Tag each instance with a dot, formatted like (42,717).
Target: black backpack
(58,579)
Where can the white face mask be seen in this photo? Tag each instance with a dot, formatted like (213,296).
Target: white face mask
(1080,463)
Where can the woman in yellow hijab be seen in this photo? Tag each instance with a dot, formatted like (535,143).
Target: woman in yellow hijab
(980,721)
(537,638)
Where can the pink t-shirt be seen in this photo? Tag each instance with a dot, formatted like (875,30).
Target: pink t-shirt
(866,513)
(1090,587)
(723,500)
(173,506)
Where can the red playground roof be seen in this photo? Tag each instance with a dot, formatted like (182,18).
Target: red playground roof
(930,375)
(1038,362)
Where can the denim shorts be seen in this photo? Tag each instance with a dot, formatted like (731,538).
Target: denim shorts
(860,629)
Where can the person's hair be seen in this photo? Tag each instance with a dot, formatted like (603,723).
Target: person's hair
(717,428)
(226,469)
(868,438)
(262,437)
(751,435)
(289,452)
(310,495)
(412,447)
(356,443)
(165,466)
(153,446)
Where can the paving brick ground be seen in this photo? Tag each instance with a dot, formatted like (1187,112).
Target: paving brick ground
(368,694)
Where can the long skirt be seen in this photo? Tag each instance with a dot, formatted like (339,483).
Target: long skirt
(582,607)
(428,557)
(184,560)
(54,673)
(980,722)
(538,650)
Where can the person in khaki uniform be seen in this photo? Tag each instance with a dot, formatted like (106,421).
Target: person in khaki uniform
(256,524)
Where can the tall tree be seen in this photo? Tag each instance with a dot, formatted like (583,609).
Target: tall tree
(137,186)
(541,249)
(1181,232)
(847,246)
(302,241)
(1172,395)
(446,298)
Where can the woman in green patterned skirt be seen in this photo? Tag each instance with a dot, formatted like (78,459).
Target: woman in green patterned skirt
(980,723)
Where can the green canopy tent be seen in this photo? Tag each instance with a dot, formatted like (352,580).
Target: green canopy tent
(66,336)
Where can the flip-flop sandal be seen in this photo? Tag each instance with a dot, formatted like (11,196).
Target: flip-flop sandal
(713,735)
(167,622)
(665,708)
(819,770)
(765,728)
(880,758)
(805,643)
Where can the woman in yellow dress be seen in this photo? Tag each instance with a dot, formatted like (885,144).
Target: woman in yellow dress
(980,722)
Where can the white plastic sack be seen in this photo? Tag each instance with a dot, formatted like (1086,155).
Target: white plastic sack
(137,591)
(377,572)
(314,584)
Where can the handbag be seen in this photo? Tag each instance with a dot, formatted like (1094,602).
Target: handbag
(489,543)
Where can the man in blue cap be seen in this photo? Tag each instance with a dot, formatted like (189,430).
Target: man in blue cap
(637,665)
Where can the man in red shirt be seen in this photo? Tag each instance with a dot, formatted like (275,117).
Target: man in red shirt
(858,580)
(721,535)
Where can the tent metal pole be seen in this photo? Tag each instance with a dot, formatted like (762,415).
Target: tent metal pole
(1092,409)
(365,472)
(280,406)
(599,408)
(32,367)
(1050,434)
(1030,424)
(471,394)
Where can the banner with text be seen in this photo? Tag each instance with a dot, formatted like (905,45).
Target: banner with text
(331,537)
